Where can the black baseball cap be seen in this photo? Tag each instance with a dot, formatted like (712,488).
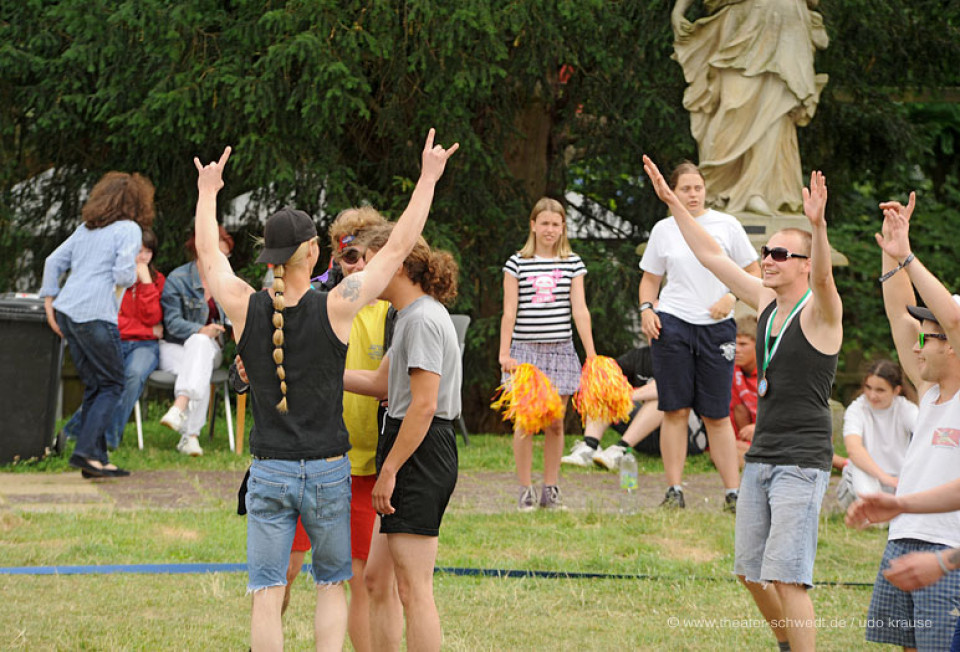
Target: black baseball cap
(924,314)
(284,231)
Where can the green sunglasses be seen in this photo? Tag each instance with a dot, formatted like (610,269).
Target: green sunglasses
(921,337)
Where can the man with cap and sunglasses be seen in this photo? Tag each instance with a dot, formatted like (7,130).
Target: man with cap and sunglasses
(788,465)
(293,343)
(927,341)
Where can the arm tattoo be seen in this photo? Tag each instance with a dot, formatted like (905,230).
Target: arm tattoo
(349,288)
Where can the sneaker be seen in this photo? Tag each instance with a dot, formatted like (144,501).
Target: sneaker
(528,499)
(190,445)
(673,499)
(550,498)
(174,418)
(581,455)
(730,503)
(610,458)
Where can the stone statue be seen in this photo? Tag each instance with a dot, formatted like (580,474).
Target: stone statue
(751,83)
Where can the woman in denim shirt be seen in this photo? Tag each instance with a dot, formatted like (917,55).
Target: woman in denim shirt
(191,346)
(101,258)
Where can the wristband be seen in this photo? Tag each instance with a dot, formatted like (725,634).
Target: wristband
(646,305)
(939,555)
(906,261)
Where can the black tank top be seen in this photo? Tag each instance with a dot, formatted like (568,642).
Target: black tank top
(313,360)
(793,419)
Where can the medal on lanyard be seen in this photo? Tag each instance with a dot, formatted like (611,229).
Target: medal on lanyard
(764,385)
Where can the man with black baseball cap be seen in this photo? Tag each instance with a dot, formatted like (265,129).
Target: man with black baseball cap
(292,341)
(927,341)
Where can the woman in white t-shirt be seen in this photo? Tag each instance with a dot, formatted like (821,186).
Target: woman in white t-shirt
(692,334)
(877,428)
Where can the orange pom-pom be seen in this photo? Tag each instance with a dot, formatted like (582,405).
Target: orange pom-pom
(529,400)
(604,393)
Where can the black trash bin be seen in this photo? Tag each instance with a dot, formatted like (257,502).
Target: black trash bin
(30,359)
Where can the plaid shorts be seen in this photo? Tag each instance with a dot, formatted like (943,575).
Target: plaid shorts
(557,360)
(925,618)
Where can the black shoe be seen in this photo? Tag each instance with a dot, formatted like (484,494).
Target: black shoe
(730,503)
(673,499)
(108,473)
(82,463)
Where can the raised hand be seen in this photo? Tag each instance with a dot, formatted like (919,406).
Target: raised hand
(894,238)
(815,199)
(435,157)
(210,176)
(660,185)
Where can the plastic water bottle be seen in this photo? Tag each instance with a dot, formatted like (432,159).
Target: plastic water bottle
(268,278)
(629,482)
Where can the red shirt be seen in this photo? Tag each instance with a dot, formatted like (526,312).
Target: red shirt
(743,392)
(140,310)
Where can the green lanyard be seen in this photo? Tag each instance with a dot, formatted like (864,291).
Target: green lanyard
(768,352)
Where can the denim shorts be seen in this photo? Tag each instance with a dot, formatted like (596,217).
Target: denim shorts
(318,491)
(778,512)
(925,618)
(693,365)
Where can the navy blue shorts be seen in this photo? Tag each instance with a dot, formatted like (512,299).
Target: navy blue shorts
(693,366)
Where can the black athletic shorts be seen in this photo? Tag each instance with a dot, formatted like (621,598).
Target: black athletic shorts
(424,483)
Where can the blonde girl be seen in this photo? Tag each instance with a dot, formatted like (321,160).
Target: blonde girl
(542,289)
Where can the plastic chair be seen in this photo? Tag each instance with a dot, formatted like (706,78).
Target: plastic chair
(167,380)
(461,323)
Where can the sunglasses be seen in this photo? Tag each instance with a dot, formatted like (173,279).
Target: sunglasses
(779,254)
(351,256)
(922,337)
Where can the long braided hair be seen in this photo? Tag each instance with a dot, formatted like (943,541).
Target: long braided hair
(278,306)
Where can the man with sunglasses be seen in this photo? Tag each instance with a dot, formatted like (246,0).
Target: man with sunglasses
(927,340)
(788,465)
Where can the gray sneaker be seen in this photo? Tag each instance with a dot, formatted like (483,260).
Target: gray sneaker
(550,498)
(673,499)
(528,499)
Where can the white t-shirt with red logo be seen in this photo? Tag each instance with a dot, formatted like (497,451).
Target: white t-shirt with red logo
(933,459)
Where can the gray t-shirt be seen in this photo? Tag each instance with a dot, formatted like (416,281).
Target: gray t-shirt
(424,338)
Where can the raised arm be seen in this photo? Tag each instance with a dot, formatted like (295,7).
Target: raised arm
(231,292)
(357,290)
(898,291)
(748,289)
(827,306)
(895,242)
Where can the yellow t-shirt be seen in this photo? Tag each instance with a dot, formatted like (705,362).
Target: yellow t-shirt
(365,351)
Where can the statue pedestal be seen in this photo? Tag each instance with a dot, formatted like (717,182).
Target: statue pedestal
(760,227)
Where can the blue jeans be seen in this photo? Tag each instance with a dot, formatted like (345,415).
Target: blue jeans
(140,359)
(95,349)
(318,491)
(778,513)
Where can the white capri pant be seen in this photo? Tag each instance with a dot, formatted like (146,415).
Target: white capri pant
(855,482)
(193,362)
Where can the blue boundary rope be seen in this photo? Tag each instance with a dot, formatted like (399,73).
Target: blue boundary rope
(184,569)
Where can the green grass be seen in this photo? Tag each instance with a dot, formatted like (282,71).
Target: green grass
(681,561)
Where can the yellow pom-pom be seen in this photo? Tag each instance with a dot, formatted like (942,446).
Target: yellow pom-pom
(604,393)
(529,400)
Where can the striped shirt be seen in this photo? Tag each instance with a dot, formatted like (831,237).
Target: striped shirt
(543,309)
(99,261)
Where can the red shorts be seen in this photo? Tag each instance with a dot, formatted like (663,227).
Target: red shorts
(362,519)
